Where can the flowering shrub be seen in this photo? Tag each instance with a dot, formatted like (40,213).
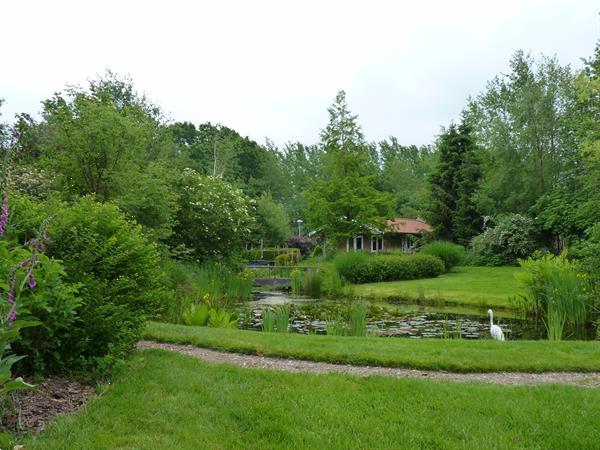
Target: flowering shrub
(511,239)
(214,218)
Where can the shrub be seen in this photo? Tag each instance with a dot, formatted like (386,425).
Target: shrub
(214,217)
(304,243)
(366,268)
(512,238)
(451,254)
(120,281)
(283,260)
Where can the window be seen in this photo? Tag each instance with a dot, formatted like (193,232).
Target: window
(376,243)
(358,242)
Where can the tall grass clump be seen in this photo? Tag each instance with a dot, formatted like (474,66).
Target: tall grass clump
(354,324)
(268,320)
(451,254)
(214,284)
(556,293)
(276,319)
(282,318)
(357,323)
(307,282)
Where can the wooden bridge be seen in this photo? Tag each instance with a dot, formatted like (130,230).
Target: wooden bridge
(274,279)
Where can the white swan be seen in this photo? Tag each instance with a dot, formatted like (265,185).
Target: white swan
(495,330)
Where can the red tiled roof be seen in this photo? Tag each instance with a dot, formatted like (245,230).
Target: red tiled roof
(407,226)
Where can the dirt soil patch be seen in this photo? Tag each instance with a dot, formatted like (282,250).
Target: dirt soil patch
(294,365)
(36,409)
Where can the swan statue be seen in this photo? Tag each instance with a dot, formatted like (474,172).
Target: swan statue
(495,330)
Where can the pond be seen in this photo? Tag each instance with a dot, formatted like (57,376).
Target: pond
(393,320)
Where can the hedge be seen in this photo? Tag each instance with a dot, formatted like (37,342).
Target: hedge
(376,268)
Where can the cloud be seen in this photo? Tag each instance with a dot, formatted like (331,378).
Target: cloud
(271,68)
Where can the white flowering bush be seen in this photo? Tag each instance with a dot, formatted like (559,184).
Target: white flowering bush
(214,217)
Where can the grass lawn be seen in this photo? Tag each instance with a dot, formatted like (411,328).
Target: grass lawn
(169,401)
(436,354)
(480,286)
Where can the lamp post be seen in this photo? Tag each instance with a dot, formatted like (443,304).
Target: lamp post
(299,222)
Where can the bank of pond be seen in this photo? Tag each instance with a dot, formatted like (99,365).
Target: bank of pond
(384,318)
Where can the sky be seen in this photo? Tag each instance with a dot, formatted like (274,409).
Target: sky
(270,69)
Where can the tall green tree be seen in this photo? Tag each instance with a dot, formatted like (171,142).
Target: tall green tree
(344,198)
(405,171)
(452,210)
(522,123)
(272,221)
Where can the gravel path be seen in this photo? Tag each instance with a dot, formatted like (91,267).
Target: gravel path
(591,380)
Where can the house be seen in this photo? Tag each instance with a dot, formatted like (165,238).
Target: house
(399,234)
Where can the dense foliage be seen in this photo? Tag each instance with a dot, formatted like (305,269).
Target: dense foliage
(214,218)
(504,243)
(557,292)
(359,267)
(451,254)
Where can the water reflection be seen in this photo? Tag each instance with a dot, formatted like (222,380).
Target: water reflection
(394,320)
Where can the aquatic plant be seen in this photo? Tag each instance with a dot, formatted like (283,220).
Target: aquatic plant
(335,326)
(268,320)
(307,282)
(556,293)
(202,315)
(357,323)
(282,318)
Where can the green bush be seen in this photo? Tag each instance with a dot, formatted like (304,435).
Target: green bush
(283,260)
(512,238)
(451,254)
(120,281)
(360,267)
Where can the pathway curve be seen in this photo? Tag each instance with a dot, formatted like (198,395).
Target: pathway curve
(295,365)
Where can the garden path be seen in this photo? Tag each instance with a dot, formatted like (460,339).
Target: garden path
(591,380)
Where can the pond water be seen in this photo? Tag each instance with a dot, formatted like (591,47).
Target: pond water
(394,320)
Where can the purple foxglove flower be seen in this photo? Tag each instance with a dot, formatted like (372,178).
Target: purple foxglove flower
(12,315)
(11,296)
(25,263)
(4,213)
(32,282)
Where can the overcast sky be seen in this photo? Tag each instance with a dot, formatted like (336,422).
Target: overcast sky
(271,68)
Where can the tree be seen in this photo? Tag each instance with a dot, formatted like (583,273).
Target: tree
(344,198)
(405,170)
(521,121)
(214,218)
(272,221)
(452,211)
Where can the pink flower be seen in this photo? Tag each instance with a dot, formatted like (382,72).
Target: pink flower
(4,213)
(32,282)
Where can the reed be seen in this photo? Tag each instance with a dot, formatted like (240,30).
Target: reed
(357,323)
(555,294)
(282,318)
(268,320)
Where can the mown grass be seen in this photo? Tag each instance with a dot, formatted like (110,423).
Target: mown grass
(480,286)
(169,401)
(435,354)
